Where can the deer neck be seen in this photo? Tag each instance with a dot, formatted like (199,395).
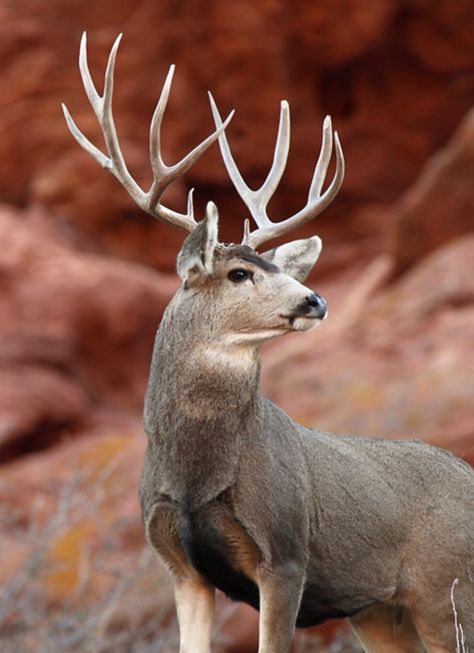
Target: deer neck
(202,404)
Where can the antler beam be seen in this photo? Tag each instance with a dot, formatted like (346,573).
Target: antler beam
(163,175)
(257,200)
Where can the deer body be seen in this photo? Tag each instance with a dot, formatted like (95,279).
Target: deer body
(303,525)
(232,488)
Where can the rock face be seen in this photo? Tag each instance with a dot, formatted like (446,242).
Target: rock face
(440,205)
(76,335)
(78,314)
(396,76)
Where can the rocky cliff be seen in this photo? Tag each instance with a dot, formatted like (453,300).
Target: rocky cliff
(84,276)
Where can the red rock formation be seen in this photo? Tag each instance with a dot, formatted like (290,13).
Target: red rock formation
(76,334)
(397,78)
(440,205)
(76,326)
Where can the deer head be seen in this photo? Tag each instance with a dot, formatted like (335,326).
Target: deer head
(238,293)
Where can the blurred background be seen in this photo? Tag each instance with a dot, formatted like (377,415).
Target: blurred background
(85,276)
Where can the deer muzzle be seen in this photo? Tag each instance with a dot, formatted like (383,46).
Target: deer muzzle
(315,306)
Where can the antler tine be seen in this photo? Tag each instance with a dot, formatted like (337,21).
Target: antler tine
(257,200)
(316,202)
(280,156)
(106,119)
(323,160)
(163,175)
(161,171)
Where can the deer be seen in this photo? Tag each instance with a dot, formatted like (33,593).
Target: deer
(303,525)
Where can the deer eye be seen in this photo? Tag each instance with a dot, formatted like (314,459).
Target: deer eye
(239,274)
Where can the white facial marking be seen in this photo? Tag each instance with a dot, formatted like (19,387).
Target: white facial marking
(252,337)
(306,323)
(221,354)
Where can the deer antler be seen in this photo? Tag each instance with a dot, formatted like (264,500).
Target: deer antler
(163,175)
(257,200)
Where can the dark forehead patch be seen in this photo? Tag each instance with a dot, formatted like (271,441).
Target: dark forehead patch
(245,253)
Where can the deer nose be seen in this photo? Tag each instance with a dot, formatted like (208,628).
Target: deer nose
(318,305)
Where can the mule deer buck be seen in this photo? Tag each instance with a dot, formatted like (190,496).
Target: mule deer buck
(303,525)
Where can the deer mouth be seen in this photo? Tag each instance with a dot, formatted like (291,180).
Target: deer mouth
(307,315)
(303,322)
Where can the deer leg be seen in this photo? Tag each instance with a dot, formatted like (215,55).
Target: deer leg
(195,608)
(280,597)
(384,629)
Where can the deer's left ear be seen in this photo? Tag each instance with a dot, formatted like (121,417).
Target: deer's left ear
(296,258)
(196,257)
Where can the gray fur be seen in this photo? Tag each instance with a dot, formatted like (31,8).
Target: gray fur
(196,255)
(296,258)
(370,528)
(302,524)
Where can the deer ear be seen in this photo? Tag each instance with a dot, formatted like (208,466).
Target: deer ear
(296,258)
(197,253)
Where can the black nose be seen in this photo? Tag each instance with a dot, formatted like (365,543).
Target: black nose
(318,305)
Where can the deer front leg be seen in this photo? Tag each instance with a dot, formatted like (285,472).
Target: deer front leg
(280,596)
(195,609)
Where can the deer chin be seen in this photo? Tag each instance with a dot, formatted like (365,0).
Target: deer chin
(305,323)
(255,337)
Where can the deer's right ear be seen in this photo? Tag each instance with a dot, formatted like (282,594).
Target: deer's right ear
(196,257)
